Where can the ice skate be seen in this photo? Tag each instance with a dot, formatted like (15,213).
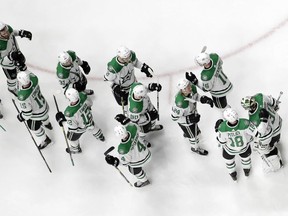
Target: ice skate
(199,151)
(45,143)
(246,172)
(234,176)
(157,128)
(89,91)
(77,151)
(141,184)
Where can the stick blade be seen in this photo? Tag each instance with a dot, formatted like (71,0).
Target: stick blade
(109,150)
(204,49)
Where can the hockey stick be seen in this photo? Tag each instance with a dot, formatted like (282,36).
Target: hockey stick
(109,150)
(63,130)
(278,99)
(32,138)
(158,99)
(106,153)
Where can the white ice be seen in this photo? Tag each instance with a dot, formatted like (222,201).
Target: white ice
(252,38)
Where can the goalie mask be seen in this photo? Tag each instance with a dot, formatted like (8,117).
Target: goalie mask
(248,103)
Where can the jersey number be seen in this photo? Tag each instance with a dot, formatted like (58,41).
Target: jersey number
(236,141)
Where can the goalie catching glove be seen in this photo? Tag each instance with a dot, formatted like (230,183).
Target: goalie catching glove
(114,161)
(147,70)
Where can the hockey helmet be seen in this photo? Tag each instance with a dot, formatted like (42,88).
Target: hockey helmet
(120,131)
(182,84)
(139,91)
(72,95)
(123,52)
(65,59)
(2,26)
(23,78)
(202,59)
(230,115)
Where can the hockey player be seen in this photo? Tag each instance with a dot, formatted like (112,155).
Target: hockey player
(69,73)
(79,119)
(34,108)
(11,57)
(213,79)
(132,151)
(121,73)
(184,112)
(235,136)
(262,110)
(141,110)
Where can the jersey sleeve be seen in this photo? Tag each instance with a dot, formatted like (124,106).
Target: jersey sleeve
(26,109)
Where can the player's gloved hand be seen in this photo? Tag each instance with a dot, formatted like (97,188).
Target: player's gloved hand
(114,161)
(217,124)
(263,115)
(24,33)
(60,118)
(206,100)
(191,77)
(85,66)
(154,87)
(147,70)
(122,119)
(17,57)
(20,117)
(193,118)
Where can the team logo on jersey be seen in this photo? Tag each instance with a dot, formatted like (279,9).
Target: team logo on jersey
(204,77)
(60,75)
(135,110)
(110,68)
(179,104)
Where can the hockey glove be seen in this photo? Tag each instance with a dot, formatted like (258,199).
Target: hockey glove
(17,57)
(85,66)
(24,33)
(145,69)
(78,86)
(20,117)
(206,100)
(122,119)
(60,118)
(217,124)
(263,115)
(114,161)
(193,118)
(191,77)
(154,87)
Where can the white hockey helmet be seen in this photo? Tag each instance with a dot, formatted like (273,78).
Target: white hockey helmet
(120,131)
(65,59)
(202,59)
(123,52)
(182,84)
(230,115)
(2,26)
(72,95)
(23,78)
(139,91)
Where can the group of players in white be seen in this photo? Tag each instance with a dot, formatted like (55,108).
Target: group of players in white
(236,136)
